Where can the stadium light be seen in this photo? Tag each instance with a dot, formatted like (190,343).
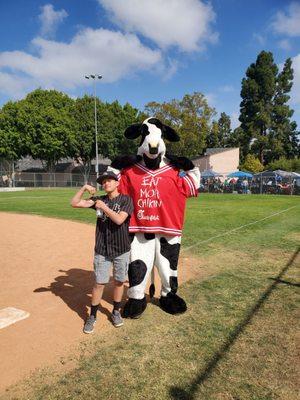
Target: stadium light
(95,77)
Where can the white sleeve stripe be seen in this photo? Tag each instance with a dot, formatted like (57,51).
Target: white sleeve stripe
(191,186)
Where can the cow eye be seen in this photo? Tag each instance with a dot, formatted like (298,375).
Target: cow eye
(145,130)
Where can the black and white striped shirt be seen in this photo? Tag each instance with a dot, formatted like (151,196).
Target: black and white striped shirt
(112,240)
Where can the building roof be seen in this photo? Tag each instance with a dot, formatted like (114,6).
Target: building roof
(216,150)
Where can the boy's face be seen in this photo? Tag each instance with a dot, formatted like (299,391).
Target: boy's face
(109,185)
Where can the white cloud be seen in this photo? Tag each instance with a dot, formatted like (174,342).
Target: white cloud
(211,99)
(63,65)
(226,89)
(113,54)
(50,19)
(288,23)
(259,38)
(185,24)
(284,44)
(14,85)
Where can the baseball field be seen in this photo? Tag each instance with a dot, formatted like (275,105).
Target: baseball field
(238,339)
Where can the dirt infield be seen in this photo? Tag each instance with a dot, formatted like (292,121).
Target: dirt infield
(46,271)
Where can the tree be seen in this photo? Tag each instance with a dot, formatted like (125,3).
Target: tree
(258,90)
(266,127)
(212,139)
(45,120)
(285,164)
(84,143)
(224,130)
(284,135)
(13,145)
(252,164)
(190,117)
(114,120)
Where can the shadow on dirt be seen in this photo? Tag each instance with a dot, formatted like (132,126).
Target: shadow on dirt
(74,287)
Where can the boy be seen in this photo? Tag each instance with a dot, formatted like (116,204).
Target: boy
(112,242)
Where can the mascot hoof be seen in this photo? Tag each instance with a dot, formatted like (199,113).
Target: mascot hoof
(180,162)
(172,304)
(134,308)
(125,161)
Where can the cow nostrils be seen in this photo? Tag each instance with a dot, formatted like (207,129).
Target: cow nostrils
(153,149)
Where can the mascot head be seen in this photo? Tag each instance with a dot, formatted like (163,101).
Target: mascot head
(152,147)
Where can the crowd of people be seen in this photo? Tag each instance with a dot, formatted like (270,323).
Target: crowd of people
(255,185)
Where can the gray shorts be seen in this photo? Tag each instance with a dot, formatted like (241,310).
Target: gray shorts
(102,266)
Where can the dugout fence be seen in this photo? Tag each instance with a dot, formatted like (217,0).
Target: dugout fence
(45,180)
(259,184)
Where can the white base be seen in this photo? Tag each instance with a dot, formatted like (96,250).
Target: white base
(11,315)
(16,189)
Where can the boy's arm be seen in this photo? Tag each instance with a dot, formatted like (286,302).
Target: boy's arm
(78,202)
(117,218)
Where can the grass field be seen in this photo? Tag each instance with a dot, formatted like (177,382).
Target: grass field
(238,338)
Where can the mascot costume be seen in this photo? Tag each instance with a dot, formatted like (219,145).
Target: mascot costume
(159,191)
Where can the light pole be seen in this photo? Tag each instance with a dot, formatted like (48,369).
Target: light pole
(95,77)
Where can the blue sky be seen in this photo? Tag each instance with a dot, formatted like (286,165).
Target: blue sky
(146,50)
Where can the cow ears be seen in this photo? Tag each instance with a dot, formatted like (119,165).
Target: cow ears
(170,134)
(133,131)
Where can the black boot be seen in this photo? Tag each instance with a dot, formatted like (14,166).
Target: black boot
(172,304)
(134,308)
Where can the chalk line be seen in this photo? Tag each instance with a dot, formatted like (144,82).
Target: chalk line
(236,229)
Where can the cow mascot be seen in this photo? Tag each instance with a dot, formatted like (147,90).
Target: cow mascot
(159,191)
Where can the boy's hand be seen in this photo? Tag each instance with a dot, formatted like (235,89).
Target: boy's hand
(101,205)
(89,188)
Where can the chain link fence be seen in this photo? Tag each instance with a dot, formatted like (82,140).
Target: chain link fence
(259,184)
(45,180)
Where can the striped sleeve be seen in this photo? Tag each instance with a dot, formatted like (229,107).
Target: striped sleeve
(123,186)
(127,205)
(94,198)
(187,186)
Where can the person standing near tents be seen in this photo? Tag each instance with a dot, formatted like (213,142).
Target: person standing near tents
(245,186)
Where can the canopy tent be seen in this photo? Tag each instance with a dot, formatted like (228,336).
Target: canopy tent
(286,174)
(267,174)
(240,174)
(208,173)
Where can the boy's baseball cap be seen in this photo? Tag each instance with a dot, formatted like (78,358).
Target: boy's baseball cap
(107,175)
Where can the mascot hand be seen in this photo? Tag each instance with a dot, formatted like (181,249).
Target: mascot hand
(180,162)
(125,161)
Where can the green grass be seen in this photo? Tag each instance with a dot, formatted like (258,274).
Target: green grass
(237,340)
(206,216)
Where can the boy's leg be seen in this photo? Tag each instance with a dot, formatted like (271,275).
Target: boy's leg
(120,275)
(101,270)
(118,294)
(97,293)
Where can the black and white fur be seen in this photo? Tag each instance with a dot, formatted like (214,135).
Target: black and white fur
(152,249)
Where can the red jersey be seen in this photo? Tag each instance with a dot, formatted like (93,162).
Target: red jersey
(159,198)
